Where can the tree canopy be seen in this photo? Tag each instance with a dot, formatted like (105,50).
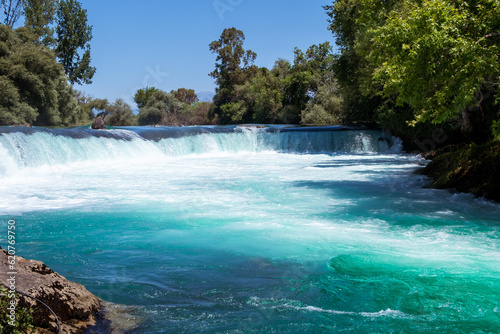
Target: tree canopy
(73,37)
(426,61)
(34,86)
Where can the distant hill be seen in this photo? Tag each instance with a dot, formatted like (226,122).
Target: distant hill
(205,96)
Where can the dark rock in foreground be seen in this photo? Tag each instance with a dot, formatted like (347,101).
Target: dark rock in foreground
(98,124)
(74,305)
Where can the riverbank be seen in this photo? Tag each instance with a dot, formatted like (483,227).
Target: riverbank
(470,168)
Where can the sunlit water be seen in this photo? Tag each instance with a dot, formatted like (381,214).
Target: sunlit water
(222,230)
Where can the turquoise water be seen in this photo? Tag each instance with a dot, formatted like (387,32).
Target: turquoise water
(230,230)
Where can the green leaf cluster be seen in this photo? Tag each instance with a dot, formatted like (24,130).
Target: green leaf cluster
(179,107)
(23,322)
(285,94)
(438,59)
(73,34)
(34,87)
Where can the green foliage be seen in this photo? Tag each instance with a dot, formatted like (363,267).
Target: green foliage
(495,128)
(324,108)
(260,99)
(435,56)
(160,109)
(419,62)
(233,112)
(73,34)
(164,108)
(184,95)
(120,114)
(39,14)
(232,68)
(23,322)
(142,96)
(199,114)
(34,86)
(349,21)
(250,94)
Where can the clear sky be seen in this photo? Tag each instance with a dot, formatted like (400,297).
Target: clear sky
(164,43)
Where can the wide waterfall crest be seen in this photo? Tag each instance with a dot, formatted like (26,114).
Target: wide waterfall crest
(33,147)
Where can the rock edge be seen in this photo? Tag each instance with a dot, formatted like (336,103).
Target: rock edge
(75,306)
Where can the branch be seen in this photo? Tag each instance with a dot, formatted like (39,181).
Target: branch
(488,36)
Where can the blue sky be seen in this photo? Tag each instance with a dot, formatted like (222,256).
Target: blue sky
(164,43)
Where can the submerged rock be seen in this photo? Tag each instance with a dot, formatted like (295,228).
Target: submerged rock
(98,124)
(73,304)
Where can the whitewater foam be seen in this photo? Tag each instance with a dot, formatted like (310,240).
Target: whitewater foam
(25,148)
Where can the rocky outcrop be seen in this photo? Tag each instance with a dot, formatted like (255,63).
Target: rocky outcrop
(73,304)
(467,168)
(24,125)
(98,124)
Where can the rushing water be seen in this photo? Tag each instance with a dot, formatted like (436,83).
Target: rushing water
(241,230)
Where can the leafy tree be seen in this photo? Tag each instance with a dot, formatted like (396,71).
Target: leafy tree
(349,23)
(120,114)
(162,108)
(39,15)
(324,108)
(200,114)
(441,57)
(12,11)
(233,67)
(84,102)
(34,86)
(73,35)
(184,95)
(142,96)
(262,97)
(310,70)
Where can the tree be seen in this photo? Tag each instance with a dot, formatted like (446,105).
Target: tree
(349,23)
(184,95)
(232,68)
(34,88)
(98,107)
(12,11)
(142,96)
(442,58)
(73,35)
(120,114)
(39,14)
(262,97)
(200,114)
(162,108)
(324,108)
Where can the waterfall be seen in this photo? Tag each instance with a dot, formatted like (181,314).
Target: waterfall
(32,147)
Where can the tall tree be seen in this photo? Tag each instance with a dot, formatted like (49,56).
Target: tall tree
(233,66)
(349,23)
(73,37)
(142,96)
(39,14)
(12,11)
(184,95)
